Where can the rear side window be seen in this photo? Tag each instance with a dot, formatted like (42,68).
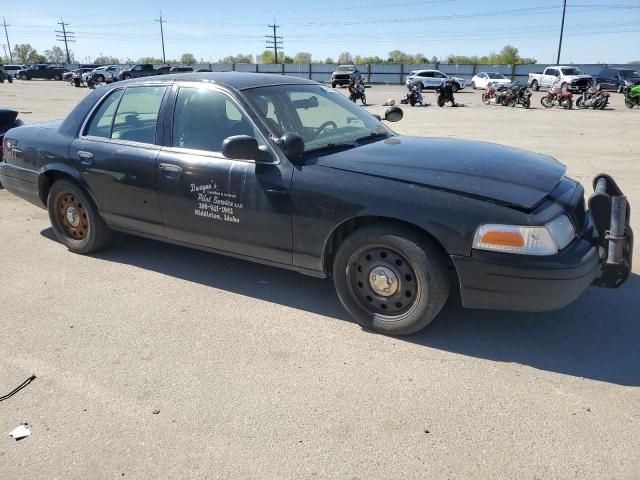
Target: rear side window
(137,114)
(101,122)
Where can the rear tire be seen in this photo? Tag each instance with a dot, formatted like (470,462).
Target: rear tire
(363,99)
(75,219)
(535,86)
(629,103)
(526,103)
(23,76)
(411,272)
(567,104)
(441,100)
(473,85)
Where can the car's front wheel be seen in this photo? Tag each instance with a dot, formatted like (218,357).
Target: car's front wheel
(391,279)
(75,219)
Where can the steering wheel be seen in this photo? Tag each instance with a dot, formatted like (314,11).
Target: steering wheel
(324,126)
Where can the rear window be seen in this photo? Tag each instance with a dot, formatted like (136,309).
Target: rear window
(130,114)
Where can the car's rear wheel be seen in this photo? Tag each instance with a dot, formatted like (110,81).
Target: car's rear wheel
(535,86)
(23,76)
(391,279)
(58,77)
(473,85)
(75,219)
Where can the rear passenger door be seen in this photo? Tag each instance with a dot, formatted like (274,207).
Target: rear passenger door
(116,154)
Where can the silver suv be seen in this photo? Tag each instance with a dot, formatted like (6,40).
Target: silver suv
(433,79)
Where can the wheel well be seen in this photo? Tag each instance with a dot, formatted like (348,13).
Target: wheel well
(346,228)
(49,178)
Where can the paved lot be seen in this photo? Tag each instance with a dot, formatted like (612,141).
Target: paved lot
(259,373)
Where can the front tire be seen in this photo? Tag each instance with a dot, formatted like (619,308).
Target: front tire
(333,84)
(546,102)
(75,219)
(567,104)
(441,100)
(473,85)
(391,279)
(363,99)
(628,102)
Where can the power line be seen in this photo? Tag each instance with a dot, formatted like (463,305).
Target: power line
(66,37)
(274,41)
(164,58)
(4,23)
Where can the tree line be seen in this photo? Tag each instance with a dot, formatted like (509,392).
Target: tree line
(25,53)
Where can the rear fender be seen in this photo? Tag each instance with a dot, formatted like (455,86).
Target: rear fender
(49,173)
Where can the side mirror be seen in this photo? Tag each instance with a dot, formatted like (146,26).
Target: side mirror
(393,114)
(292,145)
(242,147)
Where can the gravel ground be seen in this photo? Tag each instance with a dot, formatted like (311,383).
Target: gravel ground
(155,361)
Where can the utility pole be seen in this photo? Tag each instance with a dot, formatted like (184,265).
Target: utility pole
(66,37)
(274,41)
(4,24)
(164,59)
(564,9)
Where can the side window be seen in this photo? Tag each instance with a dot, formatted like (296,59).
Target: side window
(203,119)
(137,68)
(137,114)
(100,125)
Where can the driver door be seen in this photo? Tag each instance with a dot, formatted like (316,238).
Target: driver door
(237,206)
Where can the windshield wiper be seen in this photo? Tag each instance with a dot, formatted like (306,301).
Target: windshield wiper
(371,136)
(333,145)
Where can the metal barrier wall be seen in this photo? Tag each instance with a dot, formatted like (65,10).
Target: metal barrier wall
(394,73)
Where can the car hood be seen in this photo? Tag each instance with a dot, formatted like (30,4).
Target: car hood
(578,77)
(494,172)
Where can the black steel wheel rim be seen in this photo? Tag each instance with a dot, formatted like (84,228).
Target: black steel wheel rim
(383,281)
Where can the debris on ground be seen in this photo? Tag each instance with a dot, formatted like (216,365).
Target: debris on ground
(21,431)
(18,388)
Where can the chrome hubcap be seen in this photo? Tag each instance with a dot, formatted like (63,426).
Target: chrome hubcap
(72,217)
(383,281)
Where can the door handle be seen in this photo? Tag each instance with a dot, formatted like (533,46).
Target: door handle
(277,191)
(170,168)
(86,158)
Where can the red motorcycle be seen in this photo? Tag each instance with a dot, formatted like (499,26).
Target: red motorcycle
(557,97)
(495,94)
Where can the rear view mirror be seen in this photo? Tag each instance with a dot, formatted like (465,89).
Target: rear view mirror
(242,147)
(393,114)
(311,102)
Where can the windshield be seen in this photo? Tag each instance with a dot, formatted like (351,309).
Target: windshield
(571,71)
(629,74)
(495,75)
(345,68)
(323,117)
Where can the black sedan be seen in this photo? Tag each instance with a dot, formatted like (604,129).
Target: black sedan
(284,171)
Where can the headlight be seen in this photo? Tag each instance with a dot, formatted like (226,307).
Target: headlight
(544,240)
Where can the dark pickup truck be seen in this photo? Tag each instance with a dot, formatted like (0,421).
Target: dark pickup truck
(143,70)
(41,71)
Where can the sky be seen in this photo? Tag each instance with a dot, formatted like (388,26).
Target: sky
(595,30)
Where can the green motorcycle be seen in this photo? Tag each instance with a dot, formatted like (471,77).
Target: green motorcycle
(632,95)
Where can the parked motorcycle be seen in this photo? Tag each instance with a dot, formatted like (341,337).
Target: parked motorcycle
(413,96)
(632,96)
(593,98)
(495,94)
(357,91)
(557,97)
(445,93)
(519,95)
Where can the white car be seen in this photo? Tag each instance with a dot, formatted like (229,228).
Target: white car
(482,79)
(433,79)
(105,73)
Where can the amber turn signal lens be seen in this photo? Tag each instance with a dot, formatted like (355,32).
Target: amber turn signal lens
(505,238)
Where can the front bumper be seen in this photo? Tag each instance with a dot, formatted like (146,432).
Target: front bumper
(527,283)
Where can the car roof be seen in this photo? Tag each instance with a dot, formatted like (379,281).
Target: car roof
(236,80)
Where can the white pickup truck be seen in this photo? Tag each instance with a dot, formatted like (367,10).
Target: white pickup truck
(572,78)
